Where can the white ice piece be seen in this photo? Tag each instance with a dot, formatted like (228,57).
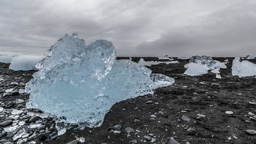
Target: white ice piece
(147,63)
(1,109)
(81,83)
(194,69)
(250,57)
(243,68)
(200,65)
(6,58)
(24,62)
(166,57)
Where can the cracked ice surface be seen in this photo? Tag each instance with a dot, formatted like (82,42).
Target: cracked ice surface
(81,83)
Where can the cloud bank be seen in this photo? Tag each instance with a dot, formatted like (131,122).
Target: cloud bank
(137,28)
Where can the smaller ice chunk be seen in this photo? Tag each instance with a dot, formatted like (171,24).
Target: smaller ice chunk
(24,62)
(194,69)
(200,65)
(250,57)
(166,57)
(147,63)
(243,68)
(6,58)
(161,80)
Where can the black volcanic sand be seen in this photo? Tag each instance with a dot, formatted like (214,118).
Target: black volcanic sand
(173,111)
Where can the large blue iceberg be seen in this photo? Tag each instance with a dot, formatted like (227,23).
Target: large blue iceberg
(79,83)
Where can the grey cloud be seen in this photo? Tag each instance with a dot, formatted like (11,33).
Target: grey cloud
(136,28)
(228,32)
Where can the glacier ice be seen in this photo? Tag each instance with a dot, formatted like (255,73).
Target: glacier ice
(24,62)
(243,68)
(6,58)
(79,83)
(199,65)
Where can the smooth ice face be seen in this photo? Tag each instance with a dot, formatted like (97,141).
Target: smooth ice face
(194,69)
(24,62)
(243,68)
(81,83)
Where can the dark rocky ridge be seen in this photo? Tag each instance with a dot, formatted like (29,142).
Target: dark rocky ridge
(191,110)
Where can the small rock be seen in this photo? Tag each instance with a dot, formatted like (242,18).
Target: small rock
(1,109)
(251,132)
(9,104)
(191,131)
(18,101)
(129,129)
(15,93)
(252,103)
(54,137)
(6,123)
(199,116)
(148,138)
(21,123)
(234,136)
(149,102)
(6,94)
(117,127)
(9,90)
(34,118)
(21,91)
(80,139)
(62,131)
(74,142)
(42,137)
(16,112)
(185,118)
(172,141)
(251,114)
(13,84)
(229,112)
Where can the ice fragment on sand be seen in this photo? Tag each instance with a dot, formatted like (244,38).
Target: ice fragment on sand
(24,62)
(6,58)
(199,65)
(81,83)
(243,68)
(194,69)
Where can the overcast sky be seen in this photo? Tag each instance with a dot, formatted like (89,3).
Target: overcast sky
(136,27)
